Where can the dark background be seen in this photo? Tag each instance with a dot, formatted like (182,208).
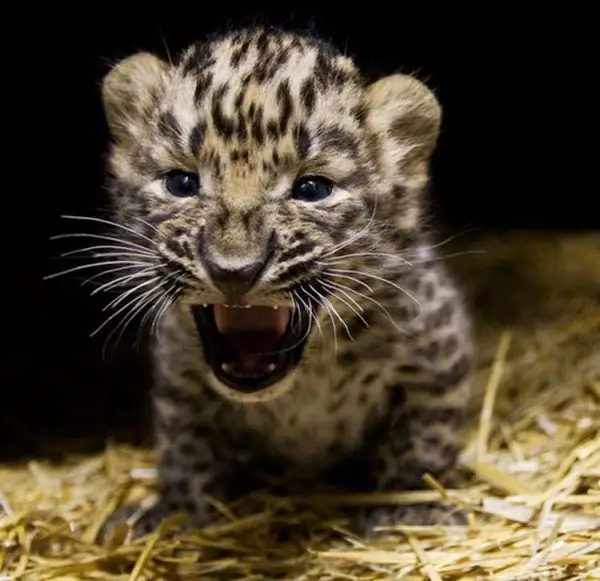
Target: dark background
(518,98)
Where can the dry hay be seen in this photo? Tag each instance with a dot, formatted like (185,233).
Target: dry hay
(531,471)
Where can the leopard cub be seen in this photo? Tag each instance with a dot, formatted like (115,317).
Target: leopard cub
(271,200)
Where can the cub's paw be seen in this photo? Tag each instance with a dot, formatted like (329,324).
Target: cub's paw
(132,522)
(368,521)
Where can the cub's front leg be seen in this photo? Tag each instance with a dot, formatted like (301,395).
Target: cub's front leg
(429,402)
(188,467)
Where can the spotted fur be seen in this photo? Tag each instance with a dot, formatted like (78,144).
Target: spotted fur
(250,111)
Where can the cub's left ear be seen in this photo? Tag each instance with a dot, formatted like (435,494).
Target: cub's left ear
(129,91)
(404,115)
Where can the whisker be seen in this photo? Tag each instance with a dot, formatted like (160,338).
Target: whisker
(353,309)
(120,247)
(442,242)
(127,305)
(301,314)
(132,245)
(355,236)
(157,308)
(306,333)
(95,265)
(125,278)
(362,254)
(168,302)
(442,257)
(125,255)
(334,311)
(111,271)
(124,295)
(296,316)
(136,308)
(329,284)
(326,307)
(372,300)
(111,224)
(308,308)
(360,282)
(332,272)
(145,223)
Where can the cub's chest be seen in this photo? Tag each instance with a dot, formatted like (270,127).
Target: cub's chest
(317,421)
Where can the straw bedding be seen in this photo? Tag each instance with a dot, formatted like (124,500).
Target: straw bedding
(530,468)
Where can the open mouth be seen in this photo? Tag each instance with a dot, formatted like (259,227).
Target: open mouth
(251,347)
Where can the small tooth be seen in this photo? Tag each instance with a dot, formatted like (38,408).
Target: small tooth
(248,306)
(271,367)
(276,307)
(226,367)
(205,305)
(226,306)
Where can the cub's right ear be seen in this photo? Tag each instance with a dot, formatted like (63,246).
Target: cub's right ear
(406,116)
(129,92)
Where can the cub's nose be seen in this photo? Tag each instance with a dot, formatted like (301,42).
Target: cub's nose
(234,283)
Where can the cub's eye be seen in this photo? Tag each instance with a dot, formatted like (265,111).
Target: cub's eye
(182,183)
(311,188)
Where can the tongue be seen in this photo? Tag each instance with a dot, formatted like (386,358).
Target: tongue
(254,319)
(251,333)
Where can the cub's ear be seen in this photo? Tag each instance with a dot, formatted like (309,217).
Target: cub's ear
(405,117)
(130,90)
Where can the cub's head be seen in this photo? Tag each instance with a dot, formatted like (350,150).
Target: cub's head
(247,169)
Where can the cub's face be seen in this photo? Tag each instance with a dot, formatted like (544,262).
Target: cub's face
(249,168)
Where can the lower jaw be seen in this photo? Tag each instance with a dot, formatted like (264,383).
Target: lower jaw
(244,395)
(246,384)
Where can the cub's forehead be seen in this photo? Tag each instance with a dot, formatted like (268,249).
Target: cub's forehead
(261,85)
(267,57)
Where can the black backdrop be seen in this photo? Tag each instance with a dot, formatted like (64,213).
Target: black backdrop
(518,103)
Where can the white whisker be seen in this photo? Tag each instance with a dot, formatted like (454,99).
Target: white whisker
(131,245)
(339,298)
(127,305)
(298,342)
(333,310)
(372,300)
(439,244)
(145,223)
(160,312)
(121,279)
(112,271)
(112,224)
(360,282)
(296,316)
(333,271)
(126,255)
(121,248)
(162,305)
(136,308)
(329,284)
(330,315)
(355,236)
(343,257)
(115,302)
(441,257)
(96,265)
(308,307)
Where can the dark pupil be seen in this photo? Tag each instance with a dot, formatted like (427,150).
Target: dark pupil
(311,189)
(184,184)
